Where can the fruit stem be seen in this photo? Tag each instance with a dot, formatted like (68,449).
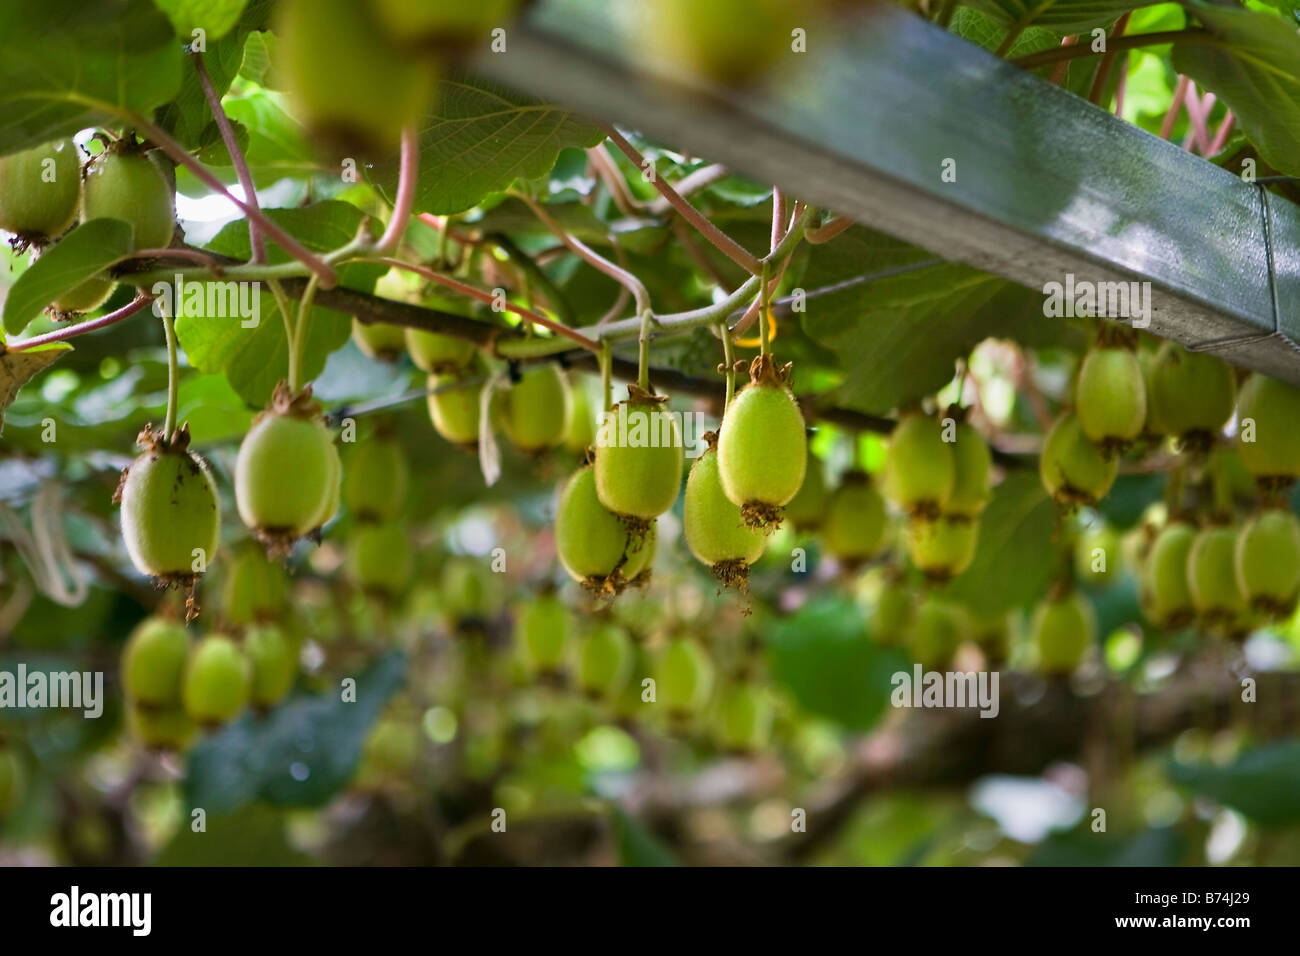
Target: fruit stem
(625,328)
(465,288)
(724,243)
(1008,41)
(1131,42)
(255,239)
(728,364)
(173,373)
(72,331)
(764,313)
(643,355)
(180,154)
(828,230)
(606,376)
(282,303)
(640,295)
(299,339)
(408,173)
(531,270)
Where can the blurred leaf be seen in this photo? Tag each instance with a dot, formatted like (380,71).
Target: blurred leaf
(1116,605)
(1156,846)
(1253,64)
(17,369)
(277,143)
(299,755)
(254,836)
(1013,558)
(637,846)
(214,17)
(824,656)
(1263,783)
(1128,498)
(82,253)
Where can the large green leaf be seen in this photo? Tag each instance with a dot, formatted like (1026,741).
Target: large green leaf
(254,359)
(300,755)
(1252,62)
(824,655)
(69,64)
(988,32)
(189,116)
(482,138)
(1013,559)
(82,253)
(1066,16)
(900,335)
(1263,783)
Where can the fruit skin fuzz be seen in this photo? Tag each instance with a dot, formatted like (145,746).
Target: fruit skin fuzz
(593,544)
(171,516)
(763,446)
(1073,469)
(288,440)
(920,468)
(715,529)
(639,474)
(35,207)
(1110,397)
(855,522)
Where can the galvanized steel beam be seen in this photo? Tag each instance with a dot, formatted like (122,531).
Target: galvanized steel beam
(1046,183)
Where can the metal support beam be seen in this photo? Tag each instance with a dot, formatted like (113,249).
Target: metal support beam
(1046,184)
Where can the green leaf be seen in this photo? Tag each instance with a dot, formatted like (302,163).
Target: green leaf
(1252,62)
(1263,783)
(299,755)
(1012,565)
(252,837)
(17,369)
(637,846)
(66,65)
(969,24)
(82,253)
(215,17)
(254,359)
(482,138)
(903,333)
(1065,16)
(212,149)
(189,117)
(825,657)
(259,58)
